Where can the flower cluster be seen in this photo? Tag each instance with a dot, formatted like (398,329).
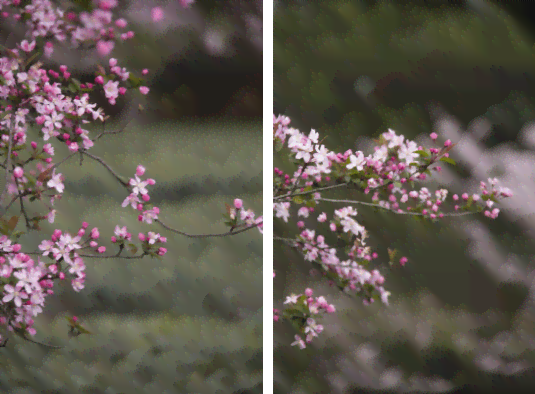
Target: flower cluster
(61,106)
(303,311)
(46,21)
(246,216)
(138,187)
(38,97)
(395,164)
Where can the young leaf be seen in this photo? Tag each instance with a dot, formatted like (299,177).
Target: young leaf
(45,175)
(447,160)
(12,223)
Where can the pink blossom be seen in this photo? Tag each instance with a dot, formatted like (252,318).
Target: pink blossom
(157,14)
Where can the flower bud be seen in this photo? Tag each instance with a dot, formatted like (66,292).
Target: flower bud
(238,203)
(162,251)
(18,172)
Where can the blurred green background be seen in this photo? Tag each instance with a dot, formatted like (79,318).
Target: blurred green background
(191,322)
(462,309)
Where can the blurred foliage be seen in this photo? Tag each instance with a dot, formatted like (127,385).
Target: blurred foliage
(190,322)
(187,76)
(351,70)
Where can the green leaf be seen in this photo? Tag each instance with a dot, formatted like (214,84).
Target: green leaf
(298,200)
(84,4)
(311,204)
(448,160)
(278,145)
(12,223)
(132,248)
(422,153)
(135,82)
(392,254)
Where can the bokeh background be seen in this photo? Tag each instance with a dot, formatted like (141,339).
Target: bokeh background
(461,313)
(191,322)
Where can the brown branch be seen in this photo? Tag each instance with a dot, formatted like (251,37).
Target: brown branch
(125,184)
(284,196)
(231,232)
(8,161)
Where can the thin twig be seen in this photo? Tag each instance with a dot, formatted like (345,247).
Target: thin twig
(125,184)
(96,256)
(8,160)
(231,232)
(282,197)
(391,210)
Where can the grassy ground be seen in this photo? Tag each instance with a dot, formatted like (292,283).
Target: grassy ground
(188,323)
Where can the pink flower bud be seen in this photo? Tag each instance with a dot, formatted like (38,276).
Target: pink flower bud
(113,62)
(61,275)
(94,233)
(121,23)
(99,79)
(105,47)
(163,239)
(238,203)
(81,232)
(101,249)
(113,239)
(93,244)
(140,170)
(156,14)
(122,90)
(18,172)
(144,89)
(162,251)
(74,319)
(309,292)
(145,71)
(141,237)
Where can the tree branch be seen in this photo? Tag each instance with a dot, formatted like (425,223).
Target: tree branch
(282,197)
(391,210)
(231,232)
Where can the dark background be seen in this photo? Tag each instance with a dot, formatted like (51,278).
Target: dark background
(461,311)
